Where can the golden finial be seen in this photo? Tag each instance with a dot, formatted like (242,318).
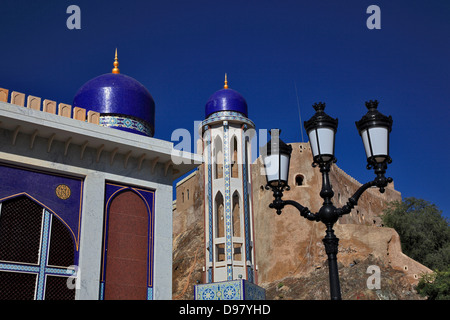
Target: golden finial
(226,82)
(116,65)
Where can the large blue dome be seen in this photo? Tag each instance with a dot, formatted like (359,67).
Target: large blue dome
(226,100)
(123,103)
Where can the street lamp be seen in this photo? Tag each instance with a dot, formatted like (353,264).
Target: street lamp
(374,129)
(321,130)
(276,161)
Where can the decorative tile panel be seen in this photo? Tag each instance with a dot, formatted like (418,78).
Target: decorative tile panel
(210,205)
(43,257)
(149,293)
(120,121)
(227,115)
(227,182)
(229,290)
(253,292)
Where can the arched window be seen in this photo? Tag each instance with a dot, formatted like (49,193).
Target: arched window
(236,215)
(237,246)
(219,208)
(37,249)
(234,158)
(220,227)
(299,180)
(218,158)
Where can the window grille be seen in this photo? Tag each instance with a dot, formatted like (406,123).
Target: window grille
(57,289)
(61,251)
(17,286)
(35,250)
(20,230)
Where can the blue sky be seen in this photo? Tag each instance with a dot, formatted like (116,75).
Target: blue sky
(180,51)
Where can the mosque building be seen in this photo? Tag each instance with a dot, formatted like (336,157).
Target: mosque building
(86,195)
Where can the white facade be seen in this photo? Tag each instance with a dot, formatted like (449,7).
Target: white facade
(58,145)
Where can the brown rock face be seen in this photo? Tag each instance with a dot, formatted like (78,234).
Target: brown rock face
(188,235)
(353,281)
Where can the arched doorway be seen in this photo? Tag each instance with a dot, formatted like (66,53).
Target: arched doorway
(127,249)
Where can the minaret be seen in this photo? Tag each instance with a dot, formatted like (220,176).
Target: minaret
(229,234)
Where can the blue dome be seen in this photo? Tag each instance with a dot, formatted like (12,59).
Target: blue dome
(226,100)
(123,103)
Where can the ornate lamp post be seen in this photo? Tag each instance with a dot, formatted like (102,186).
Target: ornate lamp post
(374,129)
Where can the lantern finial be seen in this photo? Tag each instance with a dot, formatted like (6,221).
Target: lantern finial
(372,105)
(319,106)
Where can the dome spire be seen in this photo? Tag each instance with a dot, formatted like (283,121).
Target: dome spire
(226,82)
(116,65)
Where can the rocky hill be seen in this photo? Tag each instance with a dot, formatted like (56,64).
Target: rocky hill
(353,280)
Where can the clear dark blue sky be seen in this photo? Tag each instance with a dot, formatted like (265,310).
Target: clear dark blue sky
(180,51)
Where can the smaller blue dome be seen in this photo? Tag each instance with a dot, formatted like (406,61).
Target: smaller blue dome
(226,100)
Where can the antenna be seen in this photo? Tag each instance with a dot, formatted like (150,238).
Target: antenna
(299,113)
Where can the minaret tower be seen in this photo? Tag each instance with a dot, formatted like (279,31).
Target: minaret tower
(229,234)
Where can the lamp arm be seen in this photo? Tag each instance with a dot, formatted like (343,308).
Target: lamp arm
(278,203)
(304,211)
(380,182)
(353,200)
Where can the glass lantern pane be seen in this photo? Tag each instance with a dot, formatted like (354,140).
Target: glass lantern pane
(366,143)
(272,166)
(284,167)
(322,139)
(326,140)
(313,142)
(379,141)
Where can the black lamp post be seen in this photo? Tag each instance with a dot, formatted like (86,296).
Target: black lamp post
(374,129)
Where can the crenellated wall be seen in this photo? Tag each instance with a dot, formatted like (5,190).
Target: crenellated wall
(50,106)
